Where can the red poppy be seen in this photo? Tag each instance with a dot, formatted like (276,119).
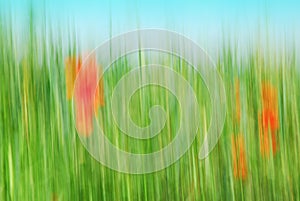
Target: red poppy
(268,119)
(87,96)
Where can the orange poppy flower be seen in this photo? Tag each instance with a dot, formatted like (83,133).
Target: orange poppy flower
(269,96)
(72,68)
(88,96)
(237,141)
(239,157)
(268,119)
(237,103)
(86,86)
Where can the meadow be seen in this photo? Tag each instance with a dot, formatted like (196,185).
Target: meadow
(42,157)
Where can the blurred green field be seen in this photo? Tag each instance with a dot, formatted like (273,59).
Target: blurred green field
(42,158)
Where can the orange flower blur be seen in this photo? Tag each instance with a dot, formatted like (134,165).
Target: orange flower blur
(87,87)
(237,141)
(238,102)
(239,157)
(268,119)
(72,68)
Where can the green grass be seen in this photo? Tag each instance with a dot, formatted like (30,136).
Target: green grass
(42,158)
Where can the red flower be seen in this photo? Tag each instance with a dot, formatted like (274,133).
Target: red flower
(268,119)
(88,96)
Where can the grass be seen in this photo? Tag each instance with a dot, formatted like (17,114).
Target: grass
(42,158)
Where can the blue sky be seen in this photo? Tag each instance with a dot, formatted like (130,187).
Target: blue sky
(206,19)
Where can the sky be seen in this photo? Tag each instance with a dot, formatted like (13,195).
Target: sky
(205,21)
